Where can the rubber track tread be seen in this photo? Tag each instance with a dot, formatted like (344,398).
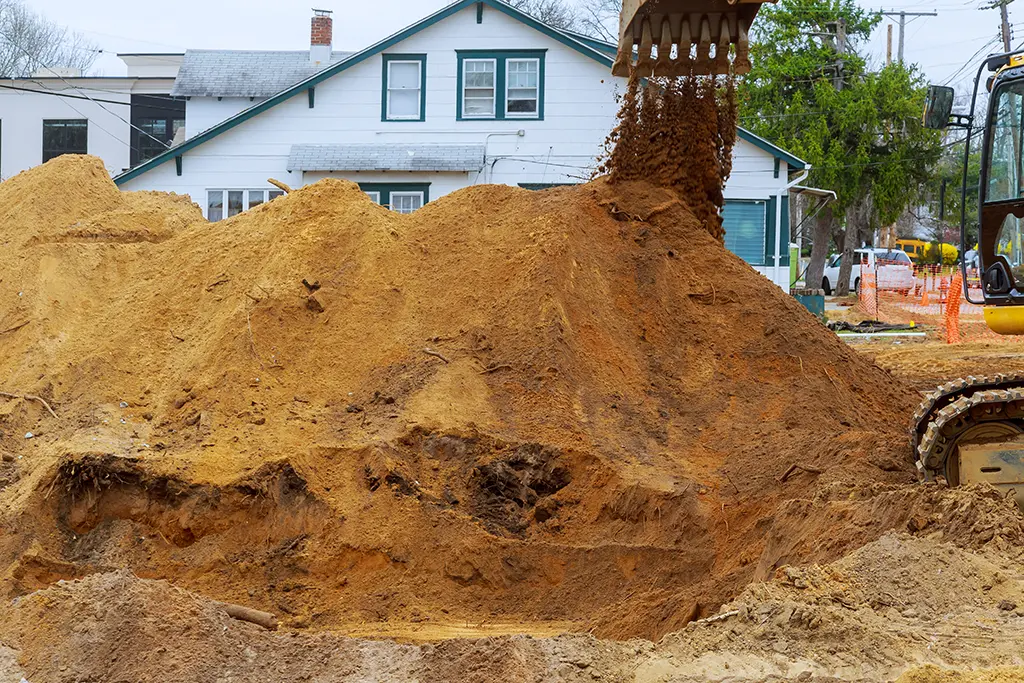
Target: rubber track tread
(953,391)
(1003,405)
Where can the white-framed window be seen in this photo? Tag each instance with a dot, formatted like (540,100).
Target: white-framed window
(222,204)
(522,88)
(406,202)
(479,88)
(404,90)
(374,195)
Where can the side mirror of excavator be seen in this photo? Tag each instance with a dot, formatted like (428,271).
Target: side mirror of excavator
(938,106)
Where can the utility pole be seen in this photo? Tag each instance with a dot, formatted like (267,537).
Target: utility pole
(838,40)
(1004,15)
(903,25)
(888,47)
(841,48)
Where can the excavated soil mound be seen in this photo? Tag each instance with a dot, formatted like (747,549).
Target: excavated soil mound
(506,412)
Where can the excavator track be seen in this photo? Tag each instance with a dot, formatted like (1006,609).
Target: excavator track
(991,408)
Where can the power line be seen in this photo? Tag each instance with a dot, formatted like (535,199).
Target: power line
(114,114)
(82,97)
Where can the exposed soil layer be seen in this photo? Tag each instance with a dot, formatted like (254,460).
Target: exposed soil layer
(873,616)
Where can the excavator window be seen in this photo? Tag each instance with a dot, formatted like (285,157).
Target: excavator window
(1006,173)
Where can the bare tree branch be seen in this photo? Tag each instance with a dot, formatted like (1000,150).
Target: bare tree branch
(29,42)
(600,19)
(557,13)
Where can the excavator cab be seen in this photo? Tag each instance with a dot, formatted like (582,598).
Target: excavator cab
(1001,191)
(684,37)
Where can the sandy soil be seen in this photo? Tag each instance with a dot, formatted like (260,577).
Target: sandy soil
(512,436)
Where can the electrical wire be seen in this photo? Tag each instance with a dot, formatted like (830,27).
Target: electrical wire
(166,145)
(971,60)
(82,97)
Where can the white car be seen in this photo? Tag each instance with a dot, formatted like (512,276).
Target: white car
(894,271)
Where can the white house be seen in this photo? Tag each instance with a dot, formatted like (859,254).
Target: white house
(478,92)
(123,120)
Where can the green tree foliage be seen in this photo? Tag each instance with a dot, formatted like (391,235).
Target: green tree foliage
(860,130)
(950,168)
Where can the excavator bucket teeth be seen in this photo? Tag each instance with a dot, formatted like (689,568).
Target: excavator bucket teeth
(677,37)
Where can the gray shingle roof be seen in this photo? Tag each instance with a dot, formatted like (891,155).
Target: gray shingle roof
(244,73)
(391,157)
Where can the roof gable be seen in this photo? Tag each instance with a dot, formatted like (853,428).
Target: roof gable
(776,151)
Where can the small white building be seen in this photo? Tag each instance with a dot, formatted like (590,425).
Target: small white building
(58,111)
(477,92)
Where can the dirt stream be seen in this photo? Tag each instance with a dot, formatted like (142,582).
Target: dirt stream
(510,415)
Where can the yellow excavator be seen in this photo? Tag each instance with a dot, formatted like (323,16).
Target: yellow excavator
(684,37)
(972,429)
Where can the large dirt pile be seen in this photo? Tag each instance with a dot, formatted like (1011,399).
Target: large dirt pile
(508,411)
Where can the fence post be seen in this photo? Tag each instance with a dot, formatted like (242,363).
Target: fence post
(955,293)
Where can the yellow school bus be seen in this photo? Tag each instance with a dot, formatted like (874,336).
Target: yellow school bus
(915,249)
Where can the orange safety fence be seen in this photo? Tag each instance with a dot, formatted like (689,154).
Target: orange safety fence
(930,296)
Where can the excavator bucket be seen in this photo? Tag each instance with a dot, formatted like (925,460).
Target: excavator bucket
(682,37)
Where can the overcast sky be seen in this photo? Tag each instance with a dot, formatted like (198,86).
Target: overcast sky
(940,45)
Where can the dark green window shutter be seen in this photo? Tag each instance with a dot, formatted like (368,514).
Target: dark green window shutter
(784,232)
(769,241)
(744,222)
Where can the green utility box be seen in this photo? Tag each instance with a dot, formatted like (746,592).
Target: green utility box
(812,299)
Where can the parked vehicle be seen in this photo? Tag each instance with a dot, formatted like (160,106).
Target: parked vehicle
(915,249)
(893,270)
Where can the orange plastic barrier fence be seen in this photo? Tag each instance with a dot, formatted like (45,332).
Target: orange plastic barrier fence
(929,296)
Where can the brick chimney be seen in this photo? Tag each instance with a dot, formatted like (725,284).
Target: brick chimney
(321,35)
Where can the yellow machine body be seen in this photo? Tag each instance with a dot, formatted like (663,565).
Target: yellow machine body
(1008,320)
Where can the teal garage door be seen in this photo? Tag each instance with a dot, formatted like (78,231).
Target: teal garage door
(744,222)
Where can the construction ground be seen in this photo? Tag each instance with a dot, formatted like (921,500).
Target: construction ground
(513,436)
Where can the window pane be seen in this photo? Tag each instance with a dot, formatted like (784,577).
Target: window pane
(155,127)
(522,106)
(274,194)
(403,75)
(214,205)
(478,87)
(522,86)
(478,107)
(406,202)
(375,196)
(176,125)
(404,103)
(480,80)
(1005,155)
(65,136)
(234,202)
(255,198)
(152,137)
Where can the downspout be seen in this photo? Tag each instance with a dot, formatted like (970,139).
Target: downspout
(778,224)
